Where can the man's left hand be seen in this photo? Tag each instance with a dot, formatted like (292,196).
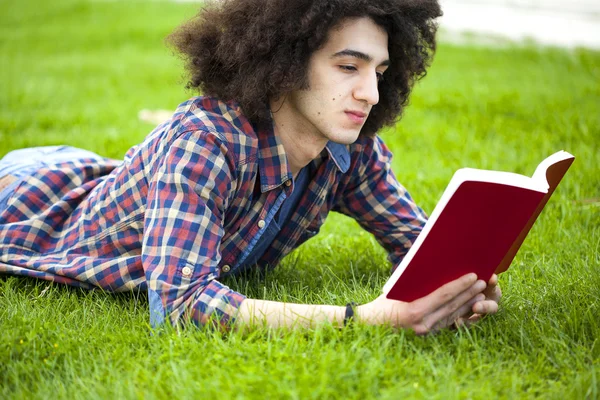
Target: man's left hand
(487,306)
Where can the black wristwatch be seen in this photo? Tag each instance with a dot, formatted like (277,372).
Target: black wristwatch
(349,316)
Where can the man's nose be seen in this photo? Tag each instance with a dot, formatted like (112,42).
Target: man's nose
(367,89)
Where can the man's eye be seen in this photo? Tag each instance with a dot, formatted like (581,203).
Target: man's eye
(379,76)
(348,67)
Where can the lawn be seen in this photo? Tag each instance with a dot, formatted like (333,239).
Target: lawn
(78,72)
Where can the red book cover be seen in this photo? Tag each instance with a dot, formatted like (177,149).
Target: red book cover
(478,226)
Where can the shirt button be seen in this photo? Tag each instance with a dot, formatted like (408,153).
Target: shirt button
(288,183)
(261,223)
(226,268)
(186,271)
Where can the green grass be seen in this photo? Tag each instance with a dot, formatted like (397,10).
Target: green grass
(79,72)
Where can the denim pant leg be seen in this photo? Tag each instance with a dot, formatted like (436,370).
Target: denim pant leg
(24,162)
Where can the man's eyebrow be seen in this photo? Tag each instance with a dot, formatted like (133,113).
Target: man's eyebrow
(357,54)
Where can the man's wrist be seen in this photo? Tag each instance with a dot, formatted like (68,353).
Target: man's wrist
(361,313)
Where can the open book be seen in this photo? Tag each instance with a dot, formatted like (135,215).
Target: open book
(477,226)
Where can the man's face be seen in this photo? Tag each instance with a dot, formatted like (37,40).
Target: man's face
(343,77)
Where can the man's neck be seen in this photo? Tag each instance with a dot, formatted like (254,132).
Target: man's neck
(301,141)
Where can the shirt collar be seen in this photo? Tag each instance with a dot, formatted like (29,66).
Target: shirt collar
(339,154)
(273,165)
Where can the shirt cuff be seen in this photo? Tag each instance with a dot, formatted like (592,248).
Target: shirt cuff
(217,305)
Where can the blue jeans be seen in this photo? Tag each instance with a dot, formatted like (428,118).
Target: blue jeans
(24,162)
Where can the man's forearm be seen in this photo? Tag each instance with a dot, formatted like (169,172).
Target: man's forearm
(274,314)
(438,310)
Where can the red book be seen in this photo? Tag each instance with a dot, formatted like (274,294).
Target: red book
(477,226)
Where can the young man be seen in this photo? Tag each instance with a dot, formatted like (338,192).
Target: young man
(286,132)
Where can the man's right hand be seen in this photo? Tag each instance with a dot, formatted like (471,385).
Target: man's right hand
(438,310)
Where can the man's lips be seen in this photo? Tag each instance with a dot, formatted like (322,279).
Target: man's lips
(357,117)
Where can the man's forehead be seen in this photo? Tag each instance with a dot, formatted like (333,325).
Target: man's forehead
(358,36)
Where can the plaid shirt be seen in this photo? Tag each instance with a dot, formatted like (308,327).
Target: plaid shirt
(185,208)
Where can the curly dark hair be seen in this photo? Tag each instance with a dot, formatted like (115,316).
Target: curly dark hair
(252,51)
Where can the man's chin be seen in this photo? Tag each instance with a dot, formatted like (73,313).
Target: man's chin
(345,138)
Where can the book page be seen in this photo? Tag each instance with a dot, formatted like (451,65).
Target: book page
(540,172)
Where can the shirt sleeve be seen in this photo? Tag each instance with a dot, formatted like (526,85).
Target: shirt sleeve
(378,202)
(183,227)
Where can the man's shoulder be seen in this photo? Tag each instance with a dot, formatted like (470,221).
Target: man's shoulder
(214,116)
(195,123)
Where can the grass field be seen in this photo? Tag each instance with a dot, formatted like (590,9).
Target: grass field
(79,73)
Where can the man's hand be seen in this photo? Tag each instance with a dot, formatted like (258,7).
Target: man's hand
(433,312)
(489,305)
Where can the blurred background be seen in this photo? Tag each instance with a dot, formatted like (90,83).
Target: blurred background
(551,22)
